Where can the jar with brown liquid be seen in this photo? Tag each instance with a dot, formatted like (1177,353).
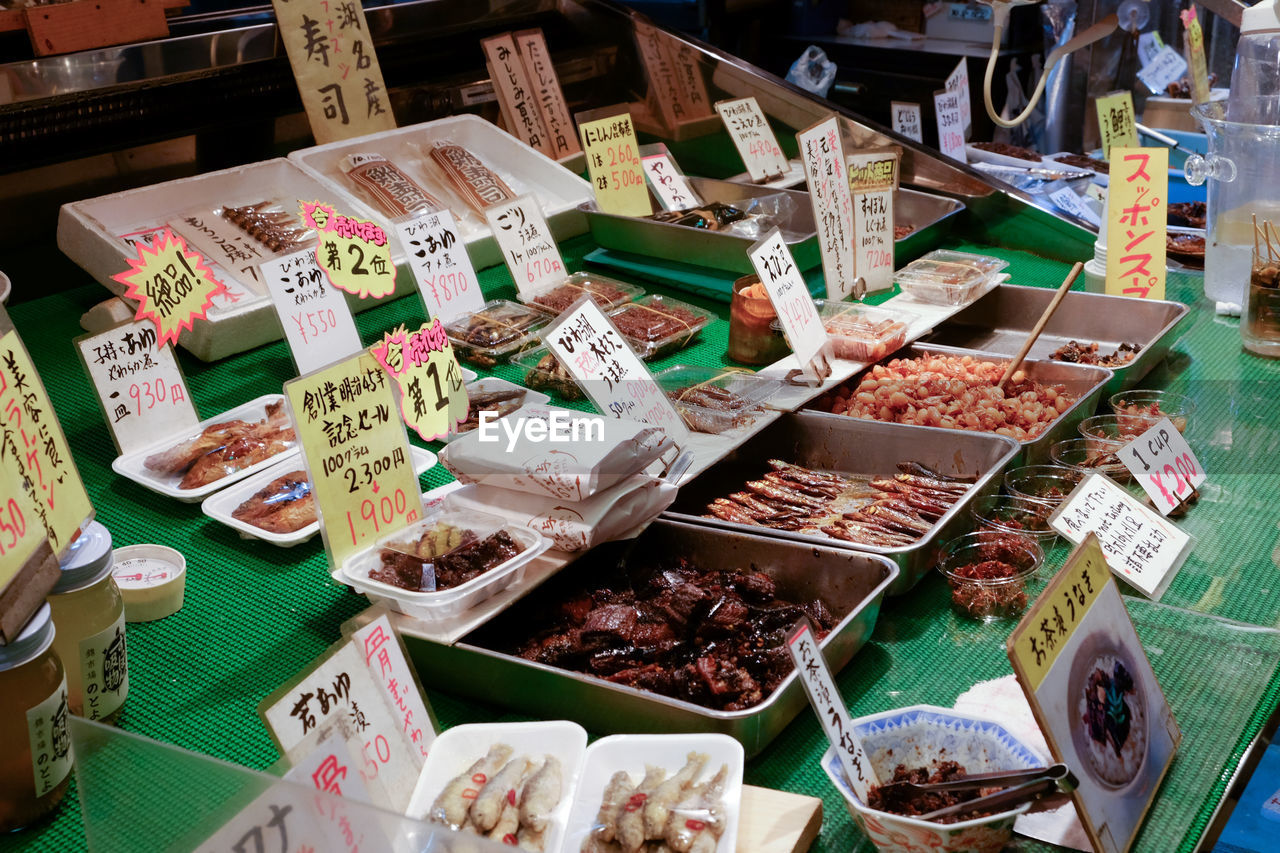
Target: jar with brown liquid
(1260,325)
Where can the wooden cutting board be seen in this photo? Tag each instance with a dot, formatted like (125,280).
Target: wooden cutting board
(777,821)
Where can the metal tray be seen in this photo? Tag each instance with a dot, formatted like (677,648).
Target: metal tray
(855,446)
(1086,382)
(851,584)
(932,217)
(1000,321)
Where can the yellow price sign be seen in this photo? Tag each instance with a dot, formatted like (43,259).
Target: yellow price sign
(1137,223)
(433,400)
(1195,56)
(171,284)
(20,530)
(354,253)
(613,160)
(1116,124)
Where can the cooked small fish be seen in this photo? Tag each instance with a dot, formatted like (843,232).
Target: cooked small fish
(531,840)
(540,795)
(658,807)
(508,824)
(284,505)
(630,822)
(497,793)
(700,812)
(454,802)
(616,795)
(237,454)
(181,456)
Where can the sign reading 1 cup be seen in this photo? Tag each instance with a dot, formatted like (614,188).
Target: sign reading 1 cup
(1162,462)
(790,297)
(171,284)
(433,400)
(355,253)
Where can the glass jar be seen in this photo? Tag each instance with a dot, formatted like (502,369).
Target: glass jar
(35,764)
(89,613)
(752,340)
(1260,320)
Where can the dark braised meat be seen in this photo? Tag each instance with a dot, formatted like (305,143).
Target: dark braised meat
(716,638)
(655,321)
(451,569)
(899,799)
(1108,714)
(1082,161)
(1078,353)
(1007,150)
(1185,244)
(602,293)
(1189,214)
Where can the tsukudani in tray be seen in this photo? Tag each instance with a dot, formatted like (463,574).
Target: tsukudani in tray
(657,326)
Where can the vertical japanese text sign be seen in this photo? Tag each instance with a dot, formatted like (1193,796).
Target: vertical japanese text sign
(873,177)
(546,86)
(1116,123)
(822,155)
(516,95)
(613,160)
(1137,222)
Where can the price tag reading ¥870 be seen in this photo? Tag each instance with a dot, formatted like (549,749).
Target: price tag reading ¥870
(433,400)
(526,243)
(790,297)
(317,322)
(824,169)
(750,132)
(441,266)
(354,252)
(946,106)
(873,175)
(671,188)
(139,384)
(827,703)
(1163,463)
(356,452)
(1116,123)
(907,120)
(171,284)
(613,159)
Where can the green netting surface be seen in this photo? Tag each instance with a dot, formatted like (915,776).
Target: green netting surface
(255,614)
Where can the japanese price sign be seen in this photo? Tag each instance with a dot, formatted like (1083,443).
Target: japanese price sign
(1137,223)
(139,384)
(526,243)
(385,657)
(1195,55)
(685,59)
(318,325)
(873,176)
(532,46)
(613,376)
(946,107)
(613,160)
(355,253)
(171,284)
(1140,546)
(1067,200)
(1162,462)
(958,82)
(670,187)
(754,139)
(334,63)
(31,436)
(1095,696)
(1116,123)
(667,95)
(907,120)
(832,713)
(790,297)
(517,96)
(21,535)
(822,155)
(433,400)
(441,266)
(356,452)
(1165,67)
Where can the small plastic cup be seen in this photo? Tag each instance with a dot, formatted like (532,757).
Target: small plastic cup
(1138,407)
(1087,455)
(1049,483)
(1107,430)
(978,589)
(1015,516)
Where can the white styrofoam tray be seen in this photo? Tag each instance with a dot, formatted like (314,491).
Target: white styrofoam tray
(220,505)
(131,465)
(524,170)
(493,383)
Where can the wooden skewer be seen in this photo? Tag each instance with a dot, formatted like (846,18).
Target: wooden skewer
(1269,231)
(1041,323)
(1257,253)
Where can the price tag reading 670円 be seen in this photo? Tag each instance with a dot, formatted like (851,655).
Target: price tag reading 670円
(432,398)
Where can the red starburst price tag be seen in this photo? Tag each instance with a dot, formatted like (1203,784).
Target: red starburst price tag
(433,400)
(171,284)
(355,253)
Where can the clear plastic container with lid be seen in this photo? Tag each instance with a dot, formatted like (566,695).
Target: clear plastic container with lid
(89,613)
(944,277)
(35,764)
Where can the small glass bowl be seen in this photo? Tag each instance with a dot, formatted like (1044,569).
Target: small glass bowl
(1014,516)
(1049,483)
(989,599)
(1087,455)
(1138,407)
(1112,429)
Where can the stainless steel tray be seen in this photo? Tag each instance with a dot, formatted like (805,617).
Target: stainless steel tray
(1000,321)
(1085,382)
(851,584)
(930,215)
(855,446)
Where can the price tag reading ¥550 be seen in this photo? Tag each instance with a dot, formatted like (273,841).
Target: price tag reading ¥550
(317,322)
(433,400)
(613,159)
(1163,463)
(354,252)
(526,243)
(790,297)
(824,169)
(356,452)
(441,266)
(751,133)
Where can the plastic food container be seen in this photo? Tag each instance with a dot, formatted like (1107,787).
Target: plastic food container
(1088,455)
(608,293)
(1107,430)
(862,333)
(657,326)
(1138,410)
(1014,516)
(546,373)
(989,598)
(494,333)
(715,400)
(754,335)
(1049,483)
(492,384)
(944,277)
(449,602)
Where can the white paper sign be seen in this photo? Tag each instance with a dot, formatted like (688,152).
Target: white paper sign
(613,376)
(526,243)
(143,394)
(1162,462)
(441,266)
(824,169)
(754,139)
(875,172)
(1167,66)
(832,712)
(790,297)
(1149,44)
(332,769)
(958,83)
(1141,547)
(907,120)
(385,658)
(1066,199)
(317,322)
(950,126)
(671,188)
(220,241)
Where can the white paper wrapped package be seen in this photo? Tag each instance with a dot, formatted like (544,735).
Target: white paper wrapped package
(620,512)
(556,453)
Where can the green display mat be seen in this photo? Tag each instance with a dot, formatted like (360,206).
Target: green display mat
(256,614)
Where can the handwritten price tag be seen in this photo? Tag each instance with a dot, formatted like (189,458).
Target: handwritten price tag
(822,155)
(873,175)
(1116,123)
(1165,67)
(171,284)
(536,57)
(1137,223)
(356,453)
(21,533)
(515,93)
(790,297)
(355,253)
(441,266)
(1162,462)
(317,322)
(142,391)
(754,139)
(671,188)
(946,107)
(433,400)
(1195,55)
(1067,200)
(958,83)
(832,713)
(613,160)
(526,243)
(907,120)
